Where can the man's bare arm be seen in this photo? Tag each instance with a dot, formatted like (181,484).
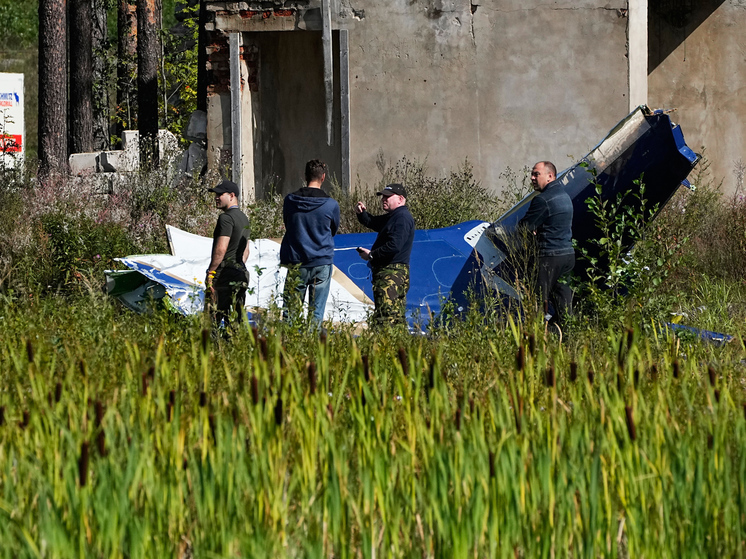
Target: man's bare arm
(218,252)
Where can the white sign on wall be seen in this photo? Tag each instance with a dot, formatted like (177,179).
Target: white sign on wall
(12,130)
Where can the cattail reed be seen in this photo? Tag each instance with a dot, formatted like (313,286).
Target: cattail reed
(101,443)
(620,355)
(710,441)
(211,422)
(717,396)
(24,420)
(713,375)
(630,338)
(202,399)
(619,382)
(205,340)
(520,359)
(743,405)
(591,375)
(57,392)
(322,336)
(404,361)
(170,406)
(2,415)
(653,371)
(330,412)
(573,371)
(366,368)
(675,366)
(254,390)
(636,377)
(144,380)
(431,375)
(311,377)
(278,412)
(457,419)
(83,464)
(263,348)
(82,368)
(99,413)
(550,379)
(472,405)
(30,351)
(532,344)
(184,464)
(630,423)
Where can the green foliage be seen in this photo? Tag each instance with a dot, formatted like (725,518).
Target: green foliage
(20,24)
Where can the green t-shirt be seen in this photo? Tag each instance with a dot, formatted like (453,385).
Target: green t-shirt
(232,223)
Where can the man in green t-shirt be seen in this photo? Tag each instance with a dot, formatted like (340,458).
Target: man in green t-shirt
(227,277)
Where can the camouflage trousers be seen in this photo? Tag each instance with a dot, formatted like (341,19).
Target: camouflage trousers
(390,286)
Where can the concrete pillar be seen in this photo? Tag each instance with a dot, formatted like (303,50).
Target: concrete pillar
(637,52)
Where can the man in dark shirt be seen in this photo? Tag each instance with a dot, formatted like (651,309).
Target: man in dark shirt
(549,217)
(389,256)
(311,220)
(227,278)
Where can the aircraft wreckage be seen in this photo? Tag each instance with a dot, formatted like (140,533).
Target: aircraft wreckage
(446,264)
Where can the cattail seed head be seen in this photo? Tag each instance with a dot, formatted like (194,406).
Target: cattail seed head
(30,351)
(169,412)
(184,464)
(151,373)
(710,441)
(2,415)
(620,354)
(205,340)
(144,380)
(254,390)
(99,408)
(619,382)
(717,396)
(57,392)
(362,397)
(676,370)
(573,371)
(630,423)
(172,397)
(404,361)
(713,375)
(492,464)
(532,344)
(263,348)
(211,422)
(457,419)
(550,379)
(654,371)
(311,378)
(25,420)
(472,406)
(83,464)
(101,443)
(322,336)
(630,338)
(202,399)
(591,375)
(520,360)
(330,412)
(636,377)
(366,368)
(278,412)
(82,368)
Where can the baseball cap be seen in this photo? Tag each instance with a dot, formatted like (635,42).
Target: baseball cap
(392,189)
(225,186)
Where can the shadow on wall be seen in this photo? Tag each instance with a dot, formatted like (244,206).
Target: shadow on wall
(670,22)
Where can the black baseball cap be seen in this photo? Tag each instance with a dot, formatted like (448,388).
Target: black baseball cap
(225,186)
(392,189)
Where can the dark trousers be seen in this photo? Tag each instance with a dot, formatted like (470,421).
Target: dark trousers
(230,293)
(553,273)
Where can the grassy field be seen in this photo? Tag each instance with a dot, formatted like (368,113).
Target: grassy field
(126,435)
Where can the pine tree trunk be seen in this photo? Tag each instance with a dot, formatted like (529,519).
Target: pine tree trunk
(102,68)
(52,90)
(148,56)
(126,70)
(81,76)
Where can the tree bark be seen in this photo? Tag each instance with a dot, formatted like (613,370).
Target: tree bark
(126,70)
(148,55)
(102,69)
(81,76)
(52,90)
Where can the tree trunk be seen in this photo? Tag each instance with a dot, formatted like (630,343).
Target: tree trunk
(102,69)
(52,90)
(81,76)
(148,55)
(126,53)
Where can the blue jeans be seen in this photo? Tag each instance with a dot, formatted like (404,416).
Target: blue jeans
(316,280)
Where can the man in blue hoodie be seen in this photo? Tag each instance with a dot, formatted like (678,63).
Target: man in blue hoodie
(311,220)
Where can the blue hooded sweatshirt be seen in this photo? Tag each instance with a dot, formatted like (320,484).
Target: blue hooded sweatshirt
(311,219)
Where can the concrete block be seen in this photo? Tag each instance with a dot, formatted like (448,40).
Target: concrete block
(83,163)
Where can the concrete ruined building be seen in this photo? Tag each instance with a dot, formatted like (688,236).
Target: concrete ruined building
(503,83)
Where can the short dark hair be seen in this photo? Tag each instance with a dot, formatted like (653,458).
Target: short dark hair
(549,165)
(315,170)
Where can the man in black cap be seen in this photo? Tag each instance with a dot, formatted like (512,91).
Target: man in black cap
(389,256)
(227,277)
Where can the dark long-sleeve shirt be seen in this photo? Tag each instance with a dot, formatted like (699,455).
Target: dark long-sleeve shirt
(395,236)
(550,215)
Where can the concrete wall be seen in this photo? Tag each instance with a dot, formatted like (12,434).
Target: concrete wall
(502,82)
(697,65)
